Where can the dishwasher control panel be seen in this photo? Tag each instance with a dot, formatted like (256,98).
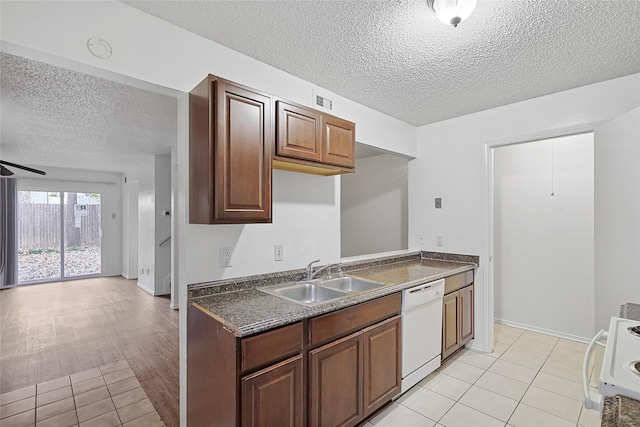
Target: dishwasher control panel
(422,294)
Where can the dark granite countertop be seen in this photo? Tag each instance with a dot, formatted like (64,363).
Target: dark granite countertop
(621,411)
(247,311)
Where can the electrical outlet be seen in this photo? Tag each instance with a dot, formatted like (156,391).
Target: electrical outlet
(439,240)
(277,253)
(438,203)
(225,256)
(422,239)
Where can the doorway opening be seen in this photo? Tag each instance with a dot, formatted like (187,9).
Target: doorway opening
(59,235)
(543,236)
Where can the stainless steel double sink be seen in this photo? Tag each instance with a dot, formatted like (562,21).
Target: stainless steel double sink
(319,291)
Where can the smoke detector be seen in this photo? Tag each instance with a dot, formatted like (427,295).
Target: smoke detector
(99,48)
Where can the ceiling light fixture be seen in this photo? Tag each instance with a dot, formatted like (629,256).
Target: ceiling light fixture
(452,12)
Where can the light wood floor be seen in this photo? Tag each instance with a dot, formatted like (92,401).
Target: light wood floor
(52,330)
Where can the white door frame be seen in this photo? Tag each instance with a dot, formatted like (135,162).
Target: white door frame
(489,146)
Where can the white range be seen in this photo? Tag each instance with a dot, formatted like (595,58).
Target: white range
(620,373)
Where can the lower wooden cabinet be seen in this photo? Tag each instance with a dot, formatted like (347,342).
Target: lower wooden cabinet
(335,383)
(466,314)
(457,320)
(274,395)
(328,371)
(251,381)
(450,329)
(352,377)
(382,364)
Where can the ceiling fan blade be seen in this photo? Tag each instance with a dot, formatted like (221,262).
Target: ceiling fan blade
(26,168)
(4,171)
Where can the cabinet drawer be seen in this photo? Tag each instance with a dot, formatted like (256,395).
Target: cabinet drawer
(458,281)
(271,346)
(334,325)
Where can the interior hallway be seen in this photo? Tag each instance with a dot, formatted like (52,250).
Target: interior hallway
(53,330)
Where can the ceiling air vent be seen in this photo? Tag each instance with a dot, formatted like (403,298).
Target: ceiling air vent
(324,102)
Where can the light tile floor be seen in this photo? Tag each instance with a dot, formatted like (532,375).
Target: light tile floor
(107,396)
(530,380)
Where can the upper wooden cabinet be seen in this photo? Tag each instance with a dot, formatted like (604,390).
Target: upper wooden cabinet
(230,153)
(312,142)
(338,141)
(299,132)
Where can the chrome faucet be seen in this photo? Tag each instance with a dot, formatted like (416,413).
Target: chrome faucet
(310,270)
(311,274)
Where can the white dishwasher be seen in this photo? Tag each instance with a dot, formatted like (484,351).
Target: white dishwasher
(421,332)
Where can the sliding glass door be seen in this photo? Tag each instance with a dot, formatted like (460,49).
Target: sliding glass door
(39,231)
(81,234)
(59,235)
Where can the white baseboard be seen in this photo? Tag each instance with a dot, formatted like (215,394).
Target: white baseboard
(149,291)
(542,330)
(173,306)
(126,276)
(473,346)
(144,288)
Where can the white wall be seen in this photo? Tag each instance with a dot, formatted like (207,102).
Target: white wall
(543,247)
(130,230)
(373,206)
(617,216)
(162,285)
(306,222)
(152,178)
(451,165)
(144,176)
(108,184)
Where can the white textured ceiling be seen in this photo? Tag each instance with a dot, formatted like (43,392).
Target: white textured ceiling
(396,57)
(53,116)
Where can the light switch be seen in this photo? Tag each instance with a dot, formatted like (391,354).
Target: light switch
(277,253)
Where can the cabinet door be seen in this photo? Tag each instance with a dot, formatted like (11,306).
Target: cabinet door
(299,132)
(273,396)
(382,356)
(242,155)
(335,383)
(466,314)
(338,139)
(450,329)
